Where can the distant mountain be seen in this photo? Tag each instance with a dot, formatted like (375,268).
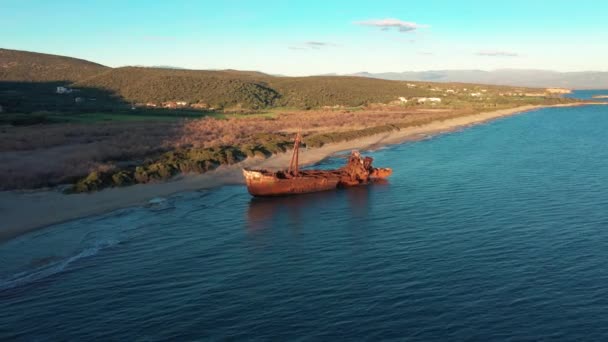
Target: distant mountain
(40,67)
(511,77)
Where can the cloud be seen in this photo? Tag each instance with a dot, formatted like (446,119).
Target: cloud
(497,53)
(318,45)
(389,23)
(312,45)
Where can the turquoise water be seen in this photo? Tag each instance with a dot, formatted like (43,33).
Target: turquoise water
(496,232)
(589,94)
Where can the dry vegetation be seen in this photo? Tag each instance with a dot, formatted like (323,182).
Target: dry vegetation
(210,132)
(34,156)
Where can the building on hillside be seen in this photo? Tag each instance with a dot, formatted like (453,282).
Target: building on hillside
(476,94)
(151,104)
(181,103)
(394,103)
(429,99)
(410,85)
(169,104)
(200,105)
(333,107)
(450,91)
(402,99)
(558,91)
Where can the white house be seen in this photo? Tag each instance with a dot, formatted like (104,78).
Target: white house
(429,99)
(476,94)
(402,99)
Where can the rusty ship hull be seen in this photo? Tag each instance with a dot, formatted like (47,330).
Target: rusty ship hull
(357,171)
(262,183)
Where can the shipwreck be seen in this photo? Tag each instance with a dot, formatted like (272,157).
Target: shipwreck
(357,171)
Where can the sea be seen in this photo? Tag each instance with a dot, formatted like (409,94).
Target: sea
(494,232)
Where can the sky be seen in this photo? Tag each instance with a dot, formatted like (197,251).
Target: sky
(315,36)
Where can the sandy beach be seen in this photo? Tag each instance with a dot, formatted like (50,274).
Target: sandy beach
(24,212)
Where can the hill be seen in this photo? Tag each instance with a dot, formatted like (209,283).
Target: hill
(219,89)
(512,77)
(25,66)
(318,91)
(231,88)
(28,83)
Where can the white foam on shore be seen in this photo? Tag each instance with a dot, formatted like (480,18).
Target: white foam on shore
(39,273)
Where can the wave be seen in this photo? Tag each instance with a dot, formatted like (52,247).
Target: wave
(159,204)
(52,268)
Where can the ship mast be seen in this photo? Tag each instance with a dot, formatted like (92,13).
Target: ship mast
(293,165)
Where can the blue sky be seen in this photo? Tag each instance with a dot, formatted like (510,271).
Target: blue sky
(315,37)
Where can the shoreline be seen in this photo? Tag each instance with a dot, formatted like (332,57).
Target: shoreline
(26,211)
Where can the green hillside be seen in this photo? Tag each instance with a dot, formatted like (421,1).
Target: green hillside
(317,91)
(28,82)
(220,89)
(40,67)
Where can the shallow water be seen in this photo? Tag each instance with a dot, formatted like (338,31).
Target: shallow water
(589,94)
(496,232)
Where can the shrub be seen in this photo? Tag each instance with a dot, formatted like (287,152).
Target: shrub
(93,182)
(122,178)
